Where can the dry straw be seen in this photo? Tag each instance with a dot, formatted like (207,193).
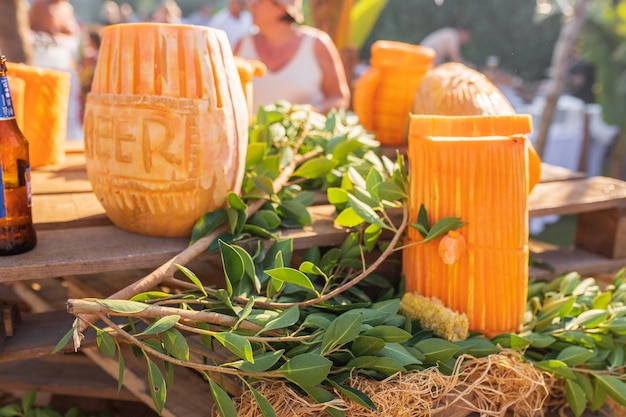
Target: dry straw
(497,385)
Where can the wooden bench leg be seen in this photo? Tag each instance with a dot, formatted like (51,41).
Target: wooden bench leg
(603,232)
(3,336)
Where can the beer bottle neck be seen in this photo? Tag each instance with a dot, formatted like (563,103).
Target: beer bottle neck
(3,66)
(7,112)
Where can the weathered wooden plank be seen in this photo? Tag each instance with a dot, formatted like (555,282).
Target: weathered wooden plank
(603,232)
(189,395)
(70,210)
(59,182)
(565,260)
(88,250)
(577,196)
(38,334)
(70,374)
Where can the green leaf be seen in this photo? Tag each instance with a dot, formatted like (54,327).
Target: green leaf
(28,401)
(121,366)
(322,396)
(574,355)
(389,334)
(176,344)
(263,184)
(385,366)
(192,277)
(11,410)
(208,223)
(306,369)
(373,179)
(442,227)
(511,341)
(601,301)
(423,225)
(616,358)
(236,344)
(295,211)
(558,368)
(105,343)
(540,340)
(223,402)
(344,329)
(291,276)
(355,395)
(615,387)
(337,196)
(261,363)
(588,319)
(437,350)
(282,249)
(355,178)
(266,219)
(370,236)
(348,218)
(390,192)
(264,405)
(575,397)
(315,168)
(234,201)
(255,153)
(122,306)
(617,325)
(161,325)
(367,346)
(233,265)
(400,354)
(158,390)
(310,268)
(366,212)
(285,319)
(64,341)
(478,347)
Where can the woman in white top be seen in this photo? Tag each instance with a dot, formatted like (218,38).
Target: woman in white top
(303,64)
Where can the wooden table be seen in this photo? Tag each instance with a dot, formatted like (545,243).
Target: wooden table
(76,239)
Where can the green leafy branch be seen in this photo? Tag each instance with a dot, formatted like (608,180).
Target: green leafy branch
(273,320)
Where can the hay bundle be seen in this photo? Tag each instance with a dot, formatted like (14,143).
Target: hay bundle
(490,386)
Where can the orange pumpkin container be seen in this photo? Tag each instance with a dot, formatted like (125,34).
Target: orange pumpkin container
(165,126)
(383,95)
(45,104)
(475,168)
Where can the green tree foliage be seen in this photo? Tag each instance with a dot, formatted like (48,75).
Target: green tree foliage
(507,29)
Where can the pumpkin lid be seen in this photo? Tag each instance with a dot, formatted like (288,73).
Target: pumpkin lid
(469,126)
(393,53)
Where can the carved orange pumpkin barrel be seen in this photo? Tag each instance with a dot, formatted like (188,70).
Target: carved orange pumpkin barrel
(165,126)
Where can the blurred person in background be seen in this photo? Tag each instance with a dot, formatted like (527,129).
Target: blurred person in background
(447,43)
(110,13)
(200,17)
(167,12)
(127,14)
(55,39)
(233,19)
(303,64)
